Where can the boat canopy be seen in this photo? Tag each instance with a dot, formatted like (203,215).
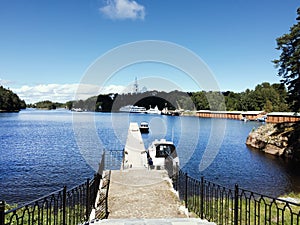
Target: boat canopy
(165,150)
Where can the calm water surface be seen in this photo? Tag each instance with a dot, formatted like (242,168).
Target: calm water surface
(41,151)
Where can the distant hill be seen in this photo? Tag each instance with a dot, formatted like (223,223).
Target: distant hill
(47,105)
(265,97)
(9,101)
(113,102)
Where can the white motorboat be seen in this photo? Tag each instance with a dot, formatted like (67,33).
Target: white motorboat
(144,127)
(262,119)
(162,154)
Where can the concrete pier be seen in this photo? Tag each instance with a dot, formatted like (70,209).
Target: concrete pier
(138,195)
(135,154)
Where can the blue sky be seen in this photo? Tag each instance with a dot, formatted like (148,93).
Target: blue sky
(47,46)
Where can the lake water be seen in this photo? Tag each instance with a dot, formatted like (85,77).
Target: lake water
(41,151)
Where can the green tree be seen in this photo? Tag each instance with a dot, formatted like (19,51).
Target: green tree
(232,100)
(248,101)
(216,100)
(268,106)
(69,104)
(200,100)
(289,62)
(9,101)
(45,105)
(282,95)
(105,103)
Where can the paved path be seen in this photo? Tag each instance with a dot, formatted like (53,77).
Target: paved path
(142,193)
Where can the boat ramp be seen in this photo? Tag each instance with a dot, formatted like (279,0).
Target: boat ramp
(139,195)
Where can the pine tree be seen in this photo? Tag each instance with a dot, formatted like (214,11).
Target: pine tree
(289,63)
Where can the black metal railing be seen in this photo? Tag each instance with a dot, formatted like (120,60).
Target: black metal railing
(66,207)
(101,211)
(61,207)
(226,206)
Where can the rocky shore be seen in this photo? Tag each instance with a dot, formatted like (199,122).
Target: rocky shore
(277,139)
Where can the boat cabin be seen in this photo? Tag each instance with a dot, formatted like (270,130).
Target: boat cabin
(144,127)
(164,150)
(162,155)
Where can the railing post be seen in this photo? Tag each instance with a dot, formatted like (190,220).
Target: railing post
(186,191)
(64,205)
(236,204)
(2,212)
(103,161)
(202,198)
(106,196)
(87,210)
(177,177)
(96,187)
(102,164)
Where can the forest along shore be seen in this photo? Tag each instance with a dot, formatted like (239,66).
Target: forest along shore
(281,139)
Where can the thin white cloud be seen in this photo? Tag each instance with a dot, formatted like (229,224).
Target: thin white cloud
(5,82)
(114,89)
(123,9)
(63,92)
(68,92)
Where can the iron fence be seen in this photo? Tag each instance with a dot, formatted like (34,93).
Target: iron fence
(101,202)
(227,206)
(61,207)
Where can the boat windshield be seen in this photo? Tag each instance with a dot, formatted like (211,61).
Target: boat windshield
(164,150)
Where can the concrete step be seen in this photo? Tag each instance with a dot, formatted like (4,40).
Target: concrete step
(173,221)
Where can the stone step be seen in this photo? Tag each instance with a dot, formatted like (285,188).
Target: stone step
(173,221)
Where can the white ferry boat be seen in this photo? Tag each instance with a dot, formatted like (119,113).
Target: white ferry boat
(132,109)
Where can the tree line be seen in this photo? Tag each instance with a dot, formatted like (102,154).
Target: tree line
(9,101)
(265,97)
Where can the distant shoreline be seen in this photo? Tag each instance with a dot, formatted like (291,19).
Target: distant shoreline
(9,111)
(272,117)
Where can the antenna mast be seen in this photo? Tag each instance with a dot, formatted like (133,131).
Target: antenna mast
(136,86)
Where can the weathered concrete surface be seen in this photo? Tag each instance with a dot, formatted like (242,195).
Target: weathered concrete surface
(135,154)
(181,221)
(142,194)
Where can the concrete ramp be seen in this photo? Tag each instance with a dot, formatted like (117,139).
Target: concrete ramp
(135,154)
(178,221)
(142,193)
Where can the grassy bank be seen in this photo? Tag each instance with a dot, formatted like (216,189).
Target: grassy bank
(252,209)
